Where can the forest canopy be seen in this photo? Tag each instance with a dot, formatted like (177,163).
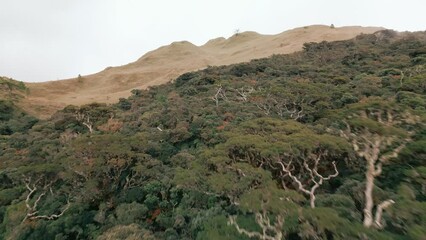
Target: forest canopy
(325,143)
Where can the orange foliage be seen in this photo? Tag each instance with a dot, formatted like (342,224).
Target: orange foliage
(21,151)
(154,215)
(113,125)
(221,127)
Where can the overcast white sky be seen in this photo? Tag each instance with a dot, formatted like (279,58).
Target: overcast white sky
(44,40)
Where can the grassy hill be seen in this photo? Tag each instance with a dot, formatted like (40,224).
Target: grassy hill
(298,146)
(168,62)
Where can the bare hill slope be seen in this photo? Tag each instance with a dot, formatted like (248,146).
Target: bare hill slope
(168,62)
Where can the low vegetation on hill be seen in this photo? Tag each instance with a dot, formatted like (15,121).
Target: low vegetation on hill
(326,143)
(12,118)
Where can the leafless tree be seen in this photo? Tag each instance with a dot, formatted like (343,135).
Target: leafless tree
(265,107)
(265,104)
(290,109)
(269,231)
(369,146)
(32,211)
(244,93)
(315,178)
(85,120)
(220,94)
(115,170)
(133,179)
(282,106)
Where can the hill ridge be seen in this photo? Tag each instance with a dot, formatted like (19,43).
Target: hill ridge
(168,62)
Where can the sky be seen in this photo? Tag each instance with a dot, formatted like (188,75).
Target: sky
(57,39)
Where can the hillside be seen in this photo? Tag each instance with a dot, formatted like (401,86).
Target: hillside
(168,62)
(325,143)
(12,118)
(12,90)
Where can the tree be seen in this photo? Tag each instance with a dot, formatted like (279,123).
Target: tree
(315,178)
(269,231)
(32,208)
(92,115)
(296,155)
(44,184)
(376,136)
(84,119)
(127,232)
(266,202)
(220,94)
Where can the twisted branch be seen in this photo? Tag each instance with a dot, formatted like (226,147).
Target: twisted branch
(315,177)
(265,224)
(32,212)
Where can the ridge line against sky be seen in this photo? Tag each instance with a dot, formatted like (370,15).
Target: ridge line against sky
(57,39)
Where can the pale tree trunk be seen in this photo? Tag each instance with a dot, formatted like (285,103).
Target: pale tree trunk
(312,200)
(368,145)
(85,120)
(368,193)
(374,170)
(371,173)
(220,94)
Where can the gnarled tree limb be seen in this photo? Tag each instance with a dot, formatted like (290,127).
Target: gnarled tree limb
(85,120)
(315,177)
(369,145)
(379,211)
(269,231)
(32,211)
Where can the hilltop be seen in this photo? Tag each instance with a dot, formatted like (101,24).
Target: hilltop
(168,62)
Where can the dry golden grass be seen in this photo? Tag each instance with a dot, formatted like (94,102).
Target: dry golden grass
(168,62)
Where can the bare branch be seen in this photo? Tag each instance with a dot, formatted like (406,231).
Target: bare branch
(265,224)
(38,200)
(336,173)
(369,146)
(85,120)
(265,107)
(295,179)
(378,170)
(53,216)
(394,153)
(244,93)
(382,206)
(32,212)
(32,190)
(133,179)
(293,110)
(315,177)
(220,94)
